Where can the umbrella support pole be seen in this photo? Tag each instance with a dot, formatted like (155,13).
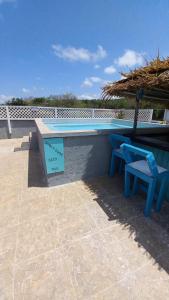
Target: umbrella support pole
(139,96)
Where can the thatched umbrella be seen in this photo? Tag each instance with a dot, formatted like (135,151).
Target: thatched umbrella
(150,82)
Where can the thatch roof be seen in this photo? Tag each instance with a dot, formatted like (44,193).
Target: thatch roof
(153,79)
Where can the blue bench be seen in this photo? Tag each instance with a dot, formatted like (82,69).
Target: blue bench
(148,171)
(116,140)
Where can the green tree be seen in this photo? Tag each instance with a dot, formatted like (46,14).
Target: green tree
(16,102)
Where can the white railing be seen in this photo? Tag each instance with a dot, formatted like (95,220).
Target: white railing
(166,115)
(11,113)
(32,112)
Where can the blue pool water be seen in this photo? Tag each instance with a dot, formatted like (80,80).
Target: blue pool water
(115,124)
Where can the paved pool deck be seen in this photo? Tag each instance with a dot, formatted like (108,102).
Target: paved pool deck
(78,241)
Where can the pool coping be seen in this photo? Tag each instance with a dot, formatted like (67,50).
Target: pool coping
(46,132)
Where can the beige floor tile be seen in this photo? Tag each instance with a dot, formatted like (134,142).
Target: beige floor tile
(148,283)
(100,216)
(8,188)
(120,231)
(28,193)
(79,241)
(34,208)
(66,199)
(9,212)
(36,237)
(9,195)
(88,193)
(115,292)
(109,210)
(7,256)
(6,272)
(7,294)
(89,266)
(43,278)
(8,242)
(126,253)
(74,224)
(10,141)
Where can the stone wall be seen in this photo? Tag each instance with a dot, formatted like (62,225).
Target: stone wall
(85,157)
(19,128)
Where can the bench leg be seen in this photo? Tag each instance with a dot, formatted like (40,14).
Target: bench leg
(135,185)
(161,194)
(150,198)
(127,184)
(112,165)
(120,166)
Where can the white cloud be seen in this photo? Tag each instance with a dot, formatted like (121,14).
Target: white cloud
(5,98)
(5,1)
(87,83)
(110,70)
(130,58)
(34,90)
(79,54)
(88,97)
(25,91)
(97,66)
(90,81)
(96,79)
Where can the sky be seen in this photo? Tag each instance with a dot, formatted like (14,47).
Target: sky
(50,47)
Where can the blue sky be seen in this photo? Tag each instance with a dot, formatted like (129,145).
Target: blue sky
(57,46)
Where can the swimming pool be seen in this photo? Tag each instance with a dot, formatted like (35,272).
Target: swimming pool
(75,149)
(97,125)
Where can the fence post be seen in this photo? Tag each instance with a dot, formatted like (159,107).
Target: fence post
(9,121)
(92,113)
(56,113)
(151,115)
(165,115)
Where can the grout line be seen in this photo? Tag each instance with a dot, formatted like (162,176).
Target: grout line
(30,259)
(124,277)
(68,272)
(61,247)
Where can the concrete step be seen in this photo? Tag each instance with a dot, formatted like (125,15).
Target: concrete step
(6,149)
(10,142)
(26,138)
(9,145)
(24,144)
(17,144)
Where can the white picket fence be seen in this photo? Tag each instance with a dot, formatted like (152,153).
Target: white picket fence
(166,115)
(11,113)
(32,112)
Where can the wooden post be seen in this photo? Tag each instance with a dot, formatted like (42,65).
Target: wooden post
(139,96)
(136,114)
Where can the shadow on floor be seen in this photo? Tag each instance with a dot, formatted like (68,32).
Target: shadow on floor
(150,233)
(35,171)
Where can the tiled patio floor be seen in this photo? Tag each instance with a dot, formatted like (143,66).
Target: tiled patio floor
(79,241)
